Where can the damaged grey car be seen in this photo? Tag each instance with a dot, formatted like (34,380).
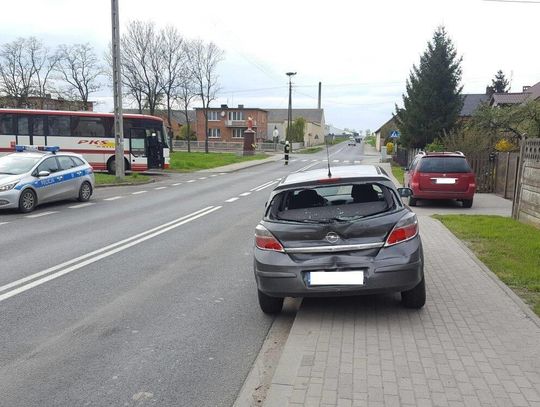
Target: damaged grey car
(341,233)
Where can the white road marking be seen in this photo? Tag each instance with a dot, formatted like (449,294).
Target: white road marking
(39,215)
(178,183)
(222,173)
(245,194)
(99,254)
(83,205)
(356,162)
(335,161)
(232,199)
(262,185)
(304,161)
(3,223)
(214,175)
(203,177)
(139,192)
(346,161)
(314,161)
(325,161)
(307,167)
(158,188)
(266,186)
(191,180)
(114,198)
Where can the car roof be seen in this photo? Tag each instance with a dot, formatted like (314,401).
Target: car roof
(351,172)
(442,154)
(42,154)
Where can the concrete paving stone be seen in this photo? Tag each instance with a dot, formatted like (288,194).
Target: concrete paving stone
(407,397)
(329,397)
(375,394)
(330,383)
(518,400)
(298,396)
(312,402)
(390,388)
(439,399)
(531,394)
(344,403)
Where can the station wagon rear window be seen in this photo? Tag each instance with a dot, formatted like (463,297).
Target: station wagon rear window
(444,164)
(332,203)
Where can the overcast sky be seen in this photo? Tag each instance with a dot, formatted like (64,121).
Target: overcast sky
(361,51)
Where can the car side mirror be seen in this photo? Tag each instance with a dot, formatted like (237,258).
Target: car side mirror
(43,174)
(405,192)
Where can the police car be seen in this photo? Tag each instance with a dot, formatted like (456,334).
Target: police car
(38,174)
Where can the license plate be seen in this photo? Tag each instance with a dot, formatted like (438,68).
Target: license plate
(336,278)
(445,180)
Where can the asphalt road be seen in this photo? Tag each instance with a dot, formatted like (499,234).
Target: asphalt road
(138,298)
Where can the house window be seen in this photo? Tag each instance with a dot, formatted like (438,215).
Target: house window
(238,132)
(236,115)
(214,133)
(213,115)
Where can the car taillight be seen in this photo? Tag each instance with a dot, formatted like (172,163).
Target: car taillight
(405,229)
(265,240)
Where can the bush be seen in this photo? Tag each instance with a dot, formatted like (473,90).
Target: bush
(435,146)
(183,133)
(389,147)
(503,145)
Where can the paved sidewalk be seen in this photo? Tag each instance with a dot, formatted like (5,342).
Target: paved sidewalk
(471,345)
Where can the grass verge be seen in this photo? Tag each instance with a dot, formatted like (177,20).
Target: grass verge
(108,179)
(370,140)
(310,150)
(186,162)
(398,172)
(508,247)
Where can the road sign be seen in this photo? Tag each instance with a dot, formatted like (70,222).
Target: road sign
(394,134)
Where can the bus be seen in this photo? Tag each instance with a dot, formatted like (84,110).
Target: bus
(90,134)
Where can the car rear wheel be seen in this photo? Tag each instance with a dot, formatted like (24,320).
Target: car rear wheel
(270,305)
(85,192)
(415,297)
(27,201)
(412,201)
(467,203)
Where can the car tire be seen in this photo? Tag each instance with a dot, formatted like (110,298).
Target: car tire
(27,201)
(412,201)
(415,297)
(85,192)
(467,203)
(270,305)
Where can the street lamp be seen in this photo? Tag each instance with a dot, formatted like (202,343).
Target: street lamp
(289,113)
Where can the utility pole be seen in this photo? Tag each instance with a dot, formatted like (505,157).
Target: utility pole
(289,113)
(319,98)
(117,93)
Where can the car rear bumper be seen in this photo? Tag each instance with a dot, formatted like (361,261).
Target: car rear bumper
(469,194)
(393,269)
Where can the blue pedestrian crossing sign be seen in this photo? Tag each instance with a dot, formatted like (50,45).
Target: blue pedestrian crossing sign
(394,134)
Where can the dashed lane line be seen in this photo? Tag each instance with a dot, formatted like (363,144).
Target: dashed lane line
(245,194)
(158,188)
(203,178)
(232,199)
(191,180)
(3,223)
(83,205)
(139,192)
(39,215)
(176,184)
(113,198)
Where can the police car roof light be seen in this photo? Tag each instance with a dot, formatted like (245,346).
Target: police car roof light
(50,149)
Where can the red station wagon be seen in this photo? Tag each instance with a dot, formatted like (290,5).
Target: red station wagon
(441,176)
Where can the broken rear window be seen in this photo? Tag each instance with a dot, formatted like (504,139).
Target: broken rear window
(332,203)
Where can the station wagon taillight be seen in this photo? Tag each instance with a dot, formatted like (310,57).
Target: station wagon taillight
(405,229)
(265,240)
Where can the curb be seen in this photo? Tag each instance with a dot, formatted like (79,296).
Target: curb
(529,313)
(241,166)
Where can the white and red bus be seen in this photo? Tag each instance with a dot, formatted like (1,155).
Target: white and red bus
(90,134)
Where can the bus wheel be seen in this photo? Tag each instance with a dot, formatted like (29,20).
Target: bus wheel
(111,165)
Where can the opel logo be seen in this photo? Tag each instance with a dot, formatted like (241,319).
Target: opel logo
(332,237)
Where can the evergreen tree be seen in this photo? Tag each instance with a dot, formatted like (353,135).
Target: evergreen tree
(500,84)
(433,98)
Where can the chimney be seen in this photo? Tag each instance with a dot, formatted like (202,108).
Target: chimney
(224,107)
(526,88)
(319,103)
(240,106)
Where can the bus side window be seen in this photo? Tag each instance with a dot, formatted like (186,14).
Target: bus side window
(23,125)
(108,125)
(88,127)
(38,125)
(6,124)
(59,125)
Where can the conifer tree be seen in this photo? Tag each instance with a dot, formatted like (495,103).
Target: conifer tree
(433,98)
(500,84)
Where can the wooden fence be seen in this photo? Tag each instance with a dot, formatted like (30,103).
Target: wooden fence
(527,198)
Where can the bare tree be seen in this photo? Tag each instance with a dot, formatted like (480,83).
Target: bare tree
(79,67)
(25,68)
(175,66)
(204,59)
(142,67)
(186,91)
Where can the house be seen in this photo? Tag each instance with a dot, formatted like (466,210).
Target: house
(471,103)
(383,132)
(507,99)
(315,126)
(45,103)
(229,123)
